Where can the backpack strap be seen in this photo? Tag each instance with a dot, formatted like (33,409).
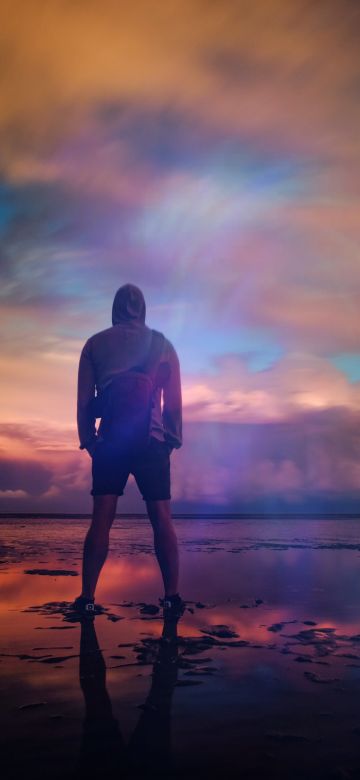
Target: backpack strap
(151,363)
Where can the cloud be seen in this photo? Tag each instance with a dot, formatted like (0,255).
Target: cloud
(206,152)
(262,64)
(255,257)
(216,143)
(25,476)
(14,494)
(308,462)
(298,381)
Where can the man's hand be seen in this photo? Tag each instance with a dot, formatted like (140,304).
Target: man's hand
(90,448)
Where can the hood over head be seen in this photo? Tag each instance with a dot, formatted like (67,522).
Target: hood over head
(129,305)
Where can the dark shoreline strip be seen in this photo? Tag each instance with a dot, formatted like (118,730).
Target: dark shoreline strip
(187,515)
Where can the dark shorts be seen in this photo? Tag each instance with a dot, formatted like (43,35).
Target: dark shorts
(110,471)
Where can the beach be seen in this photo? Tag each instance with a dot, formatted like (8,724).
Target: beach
(263,679)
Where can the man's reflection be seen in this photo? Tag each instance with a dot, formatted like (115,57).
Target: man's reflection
(103,752)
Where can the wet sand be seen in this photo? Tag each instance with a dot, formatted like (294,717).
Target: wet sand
(263,679)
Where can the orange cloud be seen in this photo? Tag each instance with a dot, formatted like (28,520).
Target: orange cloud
(259,67)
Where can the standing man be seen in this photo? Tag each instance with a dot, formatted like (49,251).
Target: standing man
(110,361)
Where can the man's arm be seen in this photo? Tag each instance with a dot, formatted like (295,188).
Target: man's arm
(172,402)
(86,392)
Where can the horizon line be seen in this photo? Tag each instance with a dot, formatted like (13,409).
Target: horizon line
(180,515)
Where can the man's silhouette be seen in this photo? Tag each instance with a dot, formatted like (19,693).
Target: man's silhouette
(108,358)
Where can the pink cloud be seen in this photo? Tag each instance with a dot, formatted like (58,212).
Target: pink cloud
(313,456)
(298,381)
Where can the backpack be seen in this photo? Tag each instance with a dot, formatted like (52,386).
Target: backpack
(126,403)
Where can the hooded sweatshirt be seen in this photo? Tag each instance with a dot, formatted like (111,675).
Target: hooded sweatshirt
(120,348)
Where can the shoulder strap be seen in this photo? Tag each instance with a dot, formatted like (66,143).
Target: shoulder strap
(151,363)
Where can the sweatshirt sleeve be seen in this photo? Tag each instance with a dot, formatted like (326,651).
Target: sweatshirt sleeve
(172,402)
(86,392)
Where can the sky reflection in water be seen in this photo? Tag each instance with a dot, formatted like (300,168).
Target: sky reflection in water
(268,644)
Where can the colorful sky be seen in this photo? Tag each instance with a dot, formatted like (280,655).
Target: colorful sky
(209,153)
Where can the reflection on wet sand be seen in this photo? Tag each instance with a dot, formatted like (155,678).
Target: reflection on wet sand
(262,681)
(103,751)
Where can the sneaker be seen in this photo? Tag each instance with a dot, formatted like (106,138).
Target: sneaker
(173,607)
(83,606)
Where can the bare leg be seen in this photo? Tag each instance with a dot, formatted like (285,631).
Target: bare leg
(97,542)
(165,543)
